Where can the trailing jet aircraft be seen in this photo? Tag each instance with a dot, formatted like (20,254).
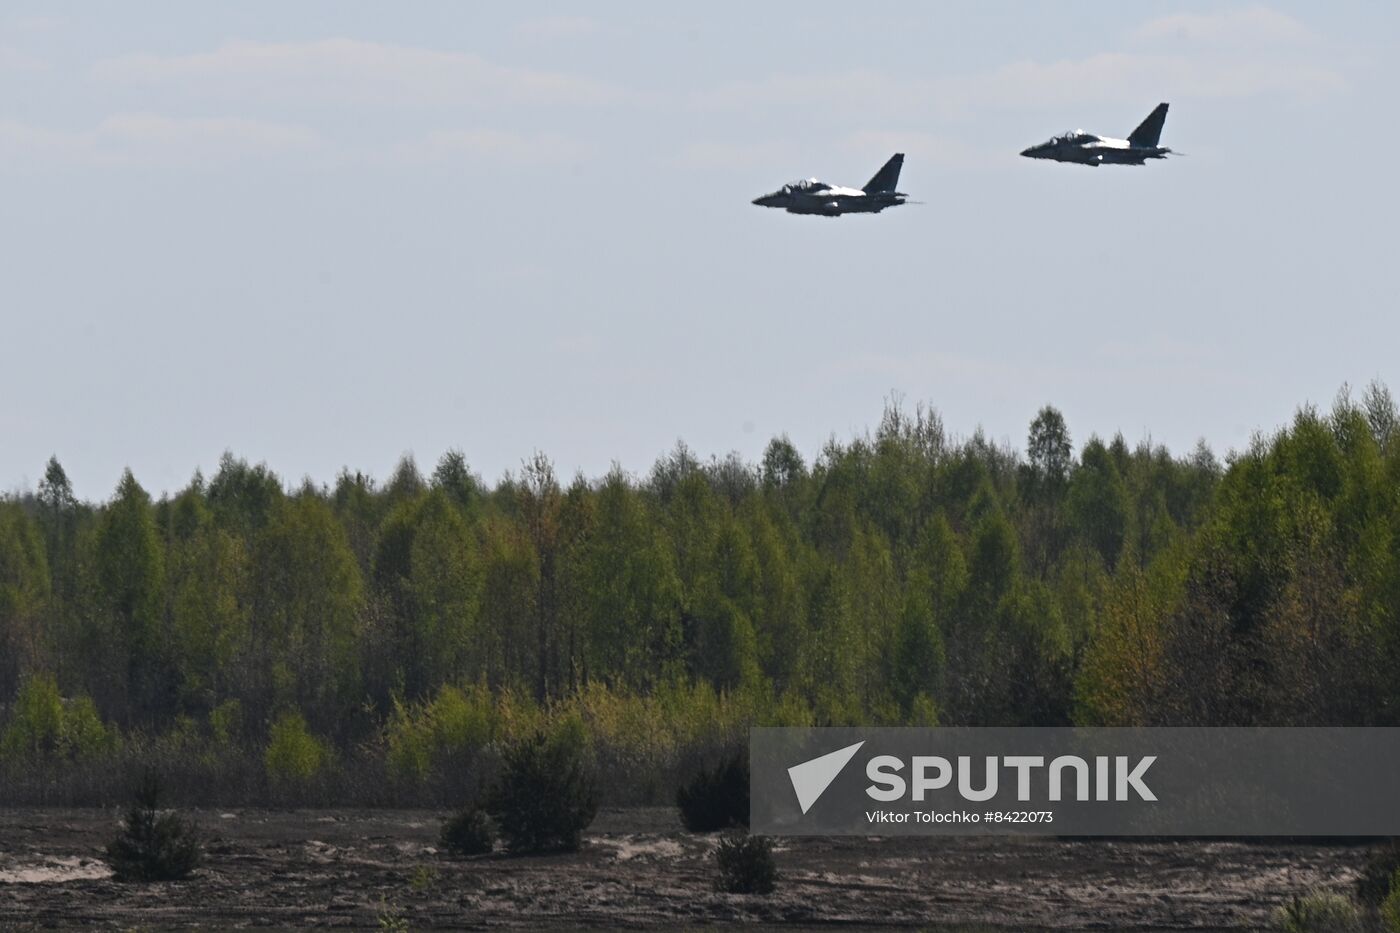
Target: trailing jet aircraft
(1088,149)
(815,197)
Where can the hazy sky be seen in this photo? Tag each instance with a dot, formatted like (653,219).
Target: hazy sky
(327,234)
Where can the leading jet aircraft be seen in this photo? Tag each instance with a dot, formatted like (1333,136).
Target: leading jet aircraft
(815,197)
(1088,149)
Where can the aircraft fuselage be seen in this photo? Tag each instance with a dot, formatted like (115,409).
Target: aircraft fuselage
(1084,148)
(817,197)
(1087,149)
(831,201)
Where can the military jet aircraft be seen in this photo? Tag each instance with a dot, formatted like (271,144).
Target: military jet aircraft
(1088,149)
(816,197)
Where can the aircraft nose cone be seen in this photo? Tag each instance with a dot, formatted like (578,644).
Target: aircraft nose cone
(1029,153)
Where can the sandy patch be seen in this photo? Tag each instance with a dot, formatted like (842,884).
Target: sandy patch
(55,871)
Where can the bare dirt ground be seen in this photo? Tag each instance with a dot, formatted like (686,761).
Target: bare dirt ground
(381,870)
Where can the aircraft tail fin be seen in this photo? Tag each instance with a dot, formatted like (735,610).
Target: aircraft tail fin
(887,178)
(1150,131)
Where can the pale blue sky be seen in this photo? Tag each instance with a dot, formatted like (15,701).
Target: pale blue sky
(327,234)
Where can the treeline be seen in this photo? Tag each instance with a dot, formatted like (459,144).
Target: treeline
(903,576)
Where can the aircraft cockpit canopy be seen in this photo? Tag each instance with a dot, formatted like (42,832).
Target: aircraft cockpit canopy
(805,184)
(1075,136)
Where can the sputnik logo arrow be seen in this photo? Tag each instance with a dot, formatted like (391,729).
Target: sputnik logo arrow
(811,778)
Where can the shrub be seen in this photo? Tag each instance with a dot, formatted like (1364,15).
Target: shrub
(408,742)
(153,846)
(716,799)
(438,734)
(1390,907)
(745,865)
(468,832)
(424,878)
(293,753)
(462,719)
(226,722)
(1319,912)
(41,725)
(36,725)
(1374,882)
(84,736)
(391,918)
(628,734)
(544,798)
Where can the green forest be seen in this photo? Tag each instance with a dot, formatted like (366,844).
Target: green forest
(377,642)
